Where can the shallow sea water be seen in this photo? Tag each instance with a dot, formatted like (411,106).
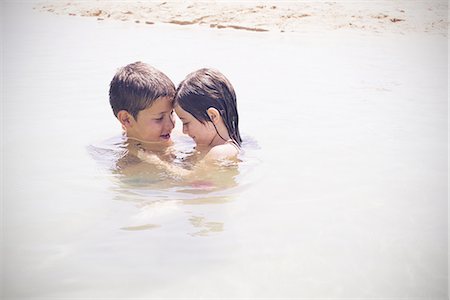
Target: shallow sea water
(342,194)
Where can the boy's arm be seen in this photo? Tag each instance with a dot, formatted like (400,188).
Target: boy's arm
(216,155)
(199,177)
(155,160)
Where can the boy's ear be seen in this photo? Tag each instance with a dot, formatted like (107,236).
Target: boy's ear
(214,115)
(125,118)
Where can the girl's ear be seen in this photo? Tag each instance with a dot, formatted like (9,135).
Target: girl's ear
(214,115)
(125,118)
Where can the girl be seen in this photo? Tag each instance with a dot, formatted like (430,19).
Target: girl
(205,102)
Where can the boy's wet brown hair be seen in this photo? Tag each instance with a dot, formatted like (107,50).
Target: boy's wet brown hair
(136,86)
(207,88)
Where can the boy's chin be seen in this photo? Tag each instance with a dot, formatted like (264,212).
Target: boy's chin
(166,142)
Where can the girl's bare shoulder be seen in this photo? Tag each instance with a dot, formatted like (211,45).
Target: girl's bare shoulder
(224,151)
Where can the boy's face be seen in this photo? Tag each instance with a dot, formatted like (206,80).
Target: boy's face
(153,124)
(202,134)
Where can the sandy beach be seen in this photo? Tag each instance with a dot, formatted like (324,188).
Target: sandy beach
(399,17)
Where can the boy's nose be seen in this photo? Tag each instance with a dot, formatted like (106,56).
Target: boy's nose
(170,123)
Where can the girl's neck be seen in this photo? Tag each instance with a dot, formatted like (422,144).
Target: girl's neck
(221,137)
(216,141)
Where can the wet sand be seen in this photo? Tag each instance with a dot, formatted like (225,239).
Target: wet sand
(399,17)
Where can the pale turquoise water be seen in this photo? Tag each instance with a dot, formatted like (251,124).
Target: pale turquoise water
(348,198)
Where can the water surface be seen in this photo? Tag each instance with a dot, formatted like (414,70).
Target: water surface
(348,198)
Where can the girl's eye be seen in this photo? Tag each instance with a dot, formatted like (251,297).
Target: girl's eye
(159,119)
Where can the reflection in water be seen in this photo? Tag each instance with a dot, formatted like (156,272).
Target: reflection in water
(205,227)
(141,227)
(163,198)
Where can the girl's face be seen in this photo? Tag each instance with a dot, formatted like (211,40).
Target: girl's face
(154,124)
(202,134)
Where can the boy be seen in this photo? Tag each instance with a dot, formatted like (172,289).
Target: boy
(141,98)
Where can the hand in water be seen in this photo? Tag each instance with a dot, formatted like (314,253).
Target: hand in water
(148,157)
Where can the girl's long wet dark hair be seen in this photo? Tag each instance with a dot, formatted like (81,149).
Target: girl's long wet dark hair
(208,88)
